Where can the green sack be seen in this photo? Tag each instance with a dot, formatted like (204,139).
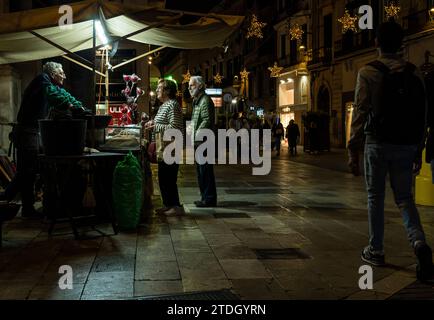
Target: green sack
(127,191)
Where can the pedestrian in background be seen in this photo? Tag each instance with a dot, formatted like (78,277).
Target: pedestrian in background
(278,133)
(292,134)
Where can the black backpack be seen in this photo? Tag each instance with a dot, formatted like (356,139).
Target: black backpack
(400,117)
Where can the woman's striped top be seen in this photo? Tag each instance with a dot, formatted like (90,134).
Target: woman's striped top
(169,116)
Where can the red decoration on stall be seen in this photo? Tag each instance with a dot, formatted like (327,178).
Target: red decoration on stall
(129,110)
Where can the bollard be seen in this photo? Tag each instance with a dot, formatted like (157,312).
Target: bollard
(424,189)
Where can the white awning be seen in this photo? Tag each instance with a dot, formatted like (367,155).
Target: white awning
(17,44)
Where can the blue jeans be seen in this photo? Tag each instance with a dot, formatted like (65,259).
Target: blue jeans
(277,143)
(206,180)
(397,160)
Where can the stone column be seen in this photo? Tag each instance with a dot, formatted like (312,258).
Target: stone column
(4,6)
(10,99)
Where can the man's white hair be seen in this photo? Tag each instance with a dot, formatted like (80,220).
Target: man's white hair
(51,67)
(199,80)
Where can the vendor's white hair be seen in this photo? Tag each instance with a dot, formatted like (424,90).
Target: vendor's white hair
(199,80)
(51,67)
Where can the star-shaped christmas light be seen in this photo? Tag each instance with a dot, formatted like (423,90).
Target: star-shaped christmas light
(295,31)
(392,10)
(275,70)
(244,74)
(255,28)
(348,22)
(218,78)
(186,77)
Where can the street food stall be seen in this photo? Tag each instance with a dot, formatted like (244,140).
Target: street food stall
(100,26)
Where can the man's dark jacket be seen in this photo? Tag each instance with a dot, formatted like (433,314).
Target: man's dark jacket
(34,105)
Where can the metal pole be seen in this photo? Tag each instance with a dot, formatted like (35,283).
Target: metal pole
(107,87)
(94,64)
(61,48)
(93,131)
(82,65)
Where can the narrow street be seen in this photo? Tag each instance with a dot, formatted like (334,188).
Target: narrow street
(296,233)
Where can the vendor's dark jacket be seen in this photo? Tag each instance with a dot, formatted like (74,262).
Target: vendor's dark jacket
(34,105)
(39,97)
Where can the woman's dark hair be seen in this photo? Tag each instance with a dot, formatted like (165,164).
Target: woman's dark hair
(390,36)
(170,87)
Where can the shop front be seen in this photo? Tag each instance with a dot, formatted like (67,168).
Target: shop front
(292,97)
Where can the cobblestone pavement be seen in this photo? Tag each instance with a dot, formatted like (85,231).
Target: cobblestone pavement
(294,234)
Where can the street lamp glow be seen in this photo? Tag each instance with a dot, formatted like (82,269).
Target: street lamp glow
(100,32)
(234,101)
(152,93)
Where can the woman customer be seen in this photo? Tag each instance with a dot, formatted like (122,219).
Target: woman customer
(169,116)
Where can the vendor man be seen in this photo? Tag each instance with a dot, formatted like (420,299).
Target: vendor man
(44,97)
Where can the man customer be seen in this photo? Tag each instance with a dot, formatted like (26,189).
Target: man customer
(203,118)
(169,116)
(388,95)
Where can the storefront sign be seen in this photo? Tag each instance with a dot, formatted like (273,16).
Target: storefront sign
(214,92)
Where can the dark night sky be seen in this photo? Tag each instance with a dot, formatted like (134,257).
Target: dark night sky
(203,6)
(192,5)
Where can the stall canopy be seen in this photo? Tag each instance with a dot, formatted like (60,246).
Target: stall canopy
(36,34)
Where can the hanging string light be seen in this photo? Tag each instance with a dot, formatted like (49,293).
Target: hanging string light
(392,10)
(275,70)
(244,74)
(218,78)
(244,89)
(295,31)
(186,77)
(348,22)
(255,28)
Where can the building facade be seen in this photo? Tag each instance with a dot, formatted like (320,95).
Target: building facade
(293,84)
(336,57)
(237,53)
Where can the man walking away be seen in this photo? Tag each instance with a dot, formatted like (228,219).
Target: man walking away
(390,110)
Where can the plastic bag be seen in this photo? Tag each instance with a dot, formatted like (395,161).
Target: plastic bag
(128,192)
